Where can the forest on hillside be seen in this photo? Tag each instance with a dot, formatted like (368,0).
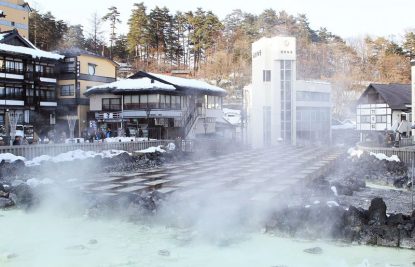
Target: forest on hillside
(220,50)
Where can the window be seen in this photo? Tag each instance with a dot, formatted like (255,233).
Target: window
(91,68)
(67,90)
(266,75)
(365,119)
(111,104)
(381,118)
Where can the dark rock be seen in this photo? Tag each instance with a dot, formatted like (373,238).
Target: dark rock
(93,242)
(396,219)
(4,194)
(377,212)
(314,250)
(23,194)
(6,203)
(164,252)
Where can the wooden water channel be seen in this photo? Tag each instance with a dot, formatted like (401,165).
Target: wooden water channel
(262,174)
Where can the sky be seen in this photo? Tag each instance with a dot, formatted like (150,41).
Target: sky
(347,18)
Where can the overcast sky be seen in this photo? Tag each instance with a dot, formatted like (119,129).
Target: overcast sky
(347,18)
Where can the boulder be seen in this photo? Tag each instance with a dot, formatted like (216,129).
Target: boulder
(314,250)
(6,203)
(23,194)
(377,212)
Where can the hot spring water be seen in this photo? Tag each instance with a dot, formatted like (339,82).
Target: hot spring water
(52,239)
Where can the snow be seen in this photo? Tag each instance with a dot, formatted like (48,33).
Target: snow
(148,84)
(171,147)
(190,83)
(354,152)
(381,156)
(8,157)
(332,203)
(334,189)
(152,149)
(134,84)
(35,53)
(74,155)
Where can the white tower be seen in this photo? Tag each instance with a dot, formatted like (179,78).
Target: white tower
(271,95)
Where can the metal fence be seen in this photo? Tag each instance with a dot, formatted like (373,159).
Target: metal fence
(31,151)
(405,154)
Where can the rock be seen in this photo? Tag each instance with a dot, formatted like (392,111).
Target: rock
(396,219)
(6,203)
(377,212)
(164,252)
(93,242)
(314,250)
(4,194)
(355,217)
(23,194)
(11,256)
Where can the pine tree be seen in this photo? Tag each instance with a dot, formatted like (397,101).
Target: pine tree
(74,37)
(138,32)
(113,17)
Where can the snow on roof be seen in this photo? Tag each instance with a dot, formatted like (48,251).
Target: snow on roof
(133,84)
(35,53)
(189,83)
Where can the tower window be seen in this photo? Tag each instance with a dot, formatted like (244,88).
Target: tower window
(266,75)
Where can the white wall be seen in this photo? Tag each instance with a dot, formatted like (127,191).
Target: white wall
(95,101)
(267,54)
(413,93)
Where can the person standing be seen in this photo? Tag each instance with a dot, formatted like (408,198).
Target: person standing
(108,133)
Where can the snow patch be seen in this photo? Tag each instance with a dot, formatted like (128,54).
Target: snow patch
(381,156)
(8,157)
(334,189)
(152,149)
(74,155)
(354,152)
(332,203)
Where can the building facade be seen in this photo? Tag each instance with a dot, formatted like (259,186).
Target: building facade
(271,99)
(14,14)
(384,107)
(157,106)
(79,71)
(27,83)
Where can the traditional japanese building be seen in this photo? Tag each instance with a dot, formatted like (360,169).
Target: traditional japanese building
(384,107)
(27,82)
(162,106)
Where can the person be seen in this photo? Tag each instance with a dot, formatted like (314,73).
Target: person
(108,133)
(140,132)
(127,132)
(16,141)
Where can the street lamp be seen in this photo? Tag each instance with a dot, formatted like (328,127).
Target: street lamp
(148,111)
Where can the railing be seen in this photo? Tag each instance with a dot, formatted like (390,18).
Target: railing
(189,119)
(403,142)
(31,151)
(405,154)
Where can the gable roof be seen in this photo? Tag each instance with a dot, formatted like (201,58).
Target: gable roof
(12,42)
(145,82)
(13,37)
(397,96)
